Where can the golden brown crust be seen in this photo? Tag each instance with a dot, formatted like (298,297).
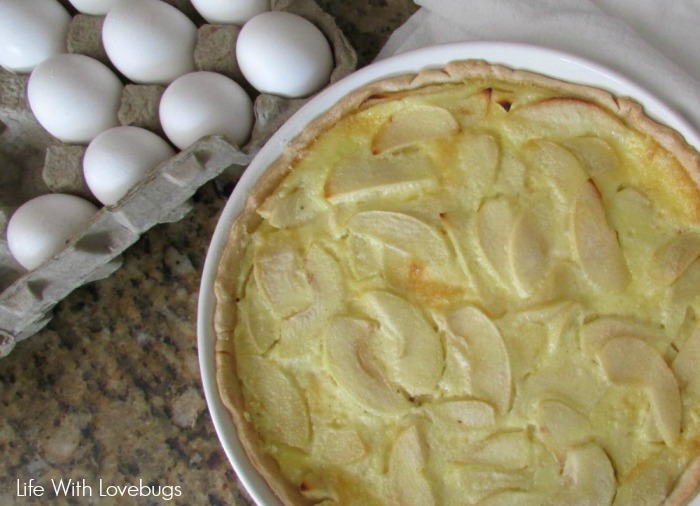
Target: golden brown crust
(226,287)
(226,373)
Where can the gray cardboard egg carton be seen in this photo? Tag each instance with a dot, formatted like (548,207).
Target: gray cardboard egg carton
(32,162)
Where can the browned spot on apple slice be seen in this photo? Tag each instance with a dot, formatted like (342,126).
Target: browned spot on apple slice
(474,108)
(595,242)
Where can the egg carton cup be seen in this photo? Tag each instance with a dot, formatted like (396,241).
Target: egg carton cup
(32,162)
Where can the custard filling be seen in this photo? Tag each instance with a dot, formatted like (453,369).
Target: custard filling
(476,293)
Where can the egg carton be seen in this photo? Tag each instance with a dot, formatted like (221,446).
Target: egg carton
(32,162)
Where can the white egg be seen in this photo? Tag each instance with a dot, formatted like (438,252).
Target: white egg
(284,54)
(94,7)
(205,103)
(31,32)
(119,158)
(149,41)
(74,97)
(235,12)
(40,228)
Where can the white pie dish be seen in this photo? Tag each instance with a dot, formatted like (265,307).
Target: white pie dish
(545,61)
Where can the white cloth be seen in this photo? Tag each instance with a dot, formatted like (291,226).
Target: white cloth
(655,43)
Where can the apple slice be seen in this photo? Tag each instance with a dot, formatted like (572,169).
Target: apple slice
(468,413)
(421,359)
(687,286)
(634,216)
(673,258)
(405,474)
(509,450)
(596,154)
(472,109)
(454,235)
(553,165)
(341,446)
(512,498)
(651,480)
(495,220)
(283,412)
(558,315)
(411,125)
(361,177)
(595,242)
(279,273)
(416,256)
(589,477)
(353,367)
(365,256)
(650,430)
(261,324)
(596,333)
(292,209)
(456,378)
(404,233)
(434,284)
(529,253)
(685,365)
(566,117)
(629,361)
(689,480)
(326,281)
(478,158)
(534,332)
(512,172)
(559,426)
(490,367)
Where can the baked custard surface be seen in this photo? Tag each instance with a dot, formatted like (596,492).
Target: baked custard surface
(470,286)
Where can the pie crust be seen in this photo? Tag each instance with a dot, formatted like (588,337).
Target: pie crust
(381,339)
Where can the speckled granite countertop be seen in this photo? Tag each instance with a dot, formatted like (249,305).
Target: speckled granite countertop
(109,393)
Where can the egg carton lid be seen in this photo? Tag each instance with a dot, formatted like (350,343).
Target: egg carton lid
(163,196)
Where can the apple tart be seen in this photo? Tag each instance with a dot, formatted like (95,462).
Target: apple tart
(470,286)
